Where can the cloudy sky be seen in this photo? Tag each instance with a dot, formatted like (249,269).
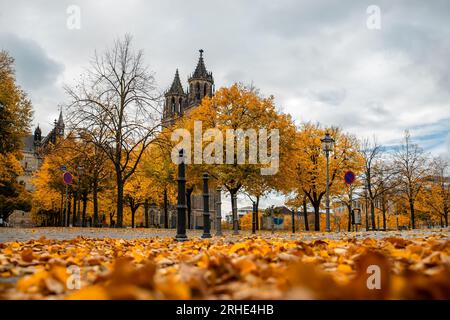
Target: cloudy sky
(318,58)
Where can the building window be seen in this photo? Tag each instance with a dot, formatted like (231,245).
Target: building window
(197,91)
(173,105)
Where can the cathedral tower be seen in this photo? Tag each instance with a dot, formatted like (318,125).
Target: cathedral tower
(201,83)
(175,99)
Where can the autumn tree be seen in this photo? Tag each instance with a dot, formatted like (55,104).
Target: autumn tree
(412,165)
(96,168)
(379,175)
(160,174)
(116,102)
(309,164)
(238,113)
(435,195)
(15,118)
(15,109)
(346,198)
(49,186)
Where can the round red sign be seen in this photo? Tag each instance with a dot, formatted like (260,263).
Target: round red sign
(67,177)
(349,177)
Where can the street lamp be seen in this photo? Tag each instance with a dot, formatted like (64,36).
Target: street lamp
(219,212)
(206,213)
(80,172)
(327,146)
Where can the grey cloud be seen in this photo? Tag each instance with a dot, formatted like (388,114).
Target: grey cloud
(333,97)
(312,56)
(34,68)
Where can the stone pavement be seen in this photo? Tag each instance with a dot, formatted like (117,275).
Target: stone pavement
(24,234)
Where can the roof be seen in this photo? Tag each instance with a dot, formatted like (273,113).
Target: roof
(176,87)
(60,119)
(200,71)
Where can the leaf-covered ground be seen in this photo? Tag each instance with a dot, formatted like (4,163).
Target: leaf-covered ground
(413,266)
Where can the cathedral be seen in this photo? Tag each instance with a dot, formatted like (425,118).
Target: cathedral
(34,148)
(178,102)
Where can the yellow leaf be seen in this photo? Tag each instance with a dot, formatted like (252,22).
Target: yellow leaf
(237,246)
(95,292)
(345,268)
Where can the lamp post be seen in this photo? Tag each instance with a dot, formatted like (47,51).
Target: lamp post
(235,214)
(327,145)
(80,171)
(206,213)
(219,212)
(181,206)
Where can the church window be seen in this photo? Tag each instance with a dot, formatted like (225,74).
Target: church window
(173,105)
(197,91)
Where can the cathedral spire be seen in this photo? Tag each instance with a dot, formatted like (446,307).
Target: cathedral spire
(60,119)
(37,134)
(176,87)
(200,71)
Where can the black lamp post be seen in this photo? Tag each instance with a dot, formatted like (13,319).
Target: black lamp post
(181,205)
(235,214)
(219,212)
(206,213)
(80,172)
(327,145)
(254,214)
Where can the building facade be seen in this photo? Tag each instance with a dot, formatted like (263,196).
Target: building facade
(34,148)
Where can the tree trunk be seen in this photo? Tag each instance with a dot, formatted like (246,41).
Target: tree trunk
(234,212)
(61,216)
(349,208)
(316,216)
(446,219)
(146,206)
(119,182)
(411,208)
(95,201)
(189,206)
(383,211)
(366,210)
(166,209)
(111,216)
(133,212)
(305,215)
(83,217)
(74,214)
(152,216)
(372,214)
(67,217)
